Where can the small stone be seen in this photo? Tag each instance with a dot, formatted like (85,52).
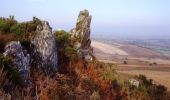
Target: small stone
(134,82)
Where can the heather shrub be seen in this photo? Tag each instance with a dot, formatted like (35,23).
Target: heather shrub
(4,39)
(46,86)
(4,27)
(4,96)
(70,50)
(146,82)
(3,78)
(11,30)
(6,24)
(66,51)
(62,36)
(91,79)
(108,74)
(157,92)
(18,29)
(12,73)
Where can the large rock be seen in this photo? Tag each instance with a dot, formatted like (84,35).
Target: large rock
(81,35)
(45,50)
(20,59)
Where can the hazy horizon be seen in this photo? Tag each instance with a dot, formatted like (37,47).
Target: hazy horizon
(109,18)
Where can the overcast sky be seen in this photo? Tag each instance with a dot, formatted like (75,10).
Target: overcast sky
(116,17)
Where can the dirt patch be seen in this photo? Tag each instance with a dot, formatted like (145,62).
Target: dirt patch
(108,49)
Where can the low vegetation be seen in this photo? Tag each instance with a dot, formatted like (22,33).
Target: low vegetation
(11,30)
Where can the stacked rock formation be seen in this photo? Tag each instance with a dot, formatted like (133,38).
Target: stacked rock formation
(81,36)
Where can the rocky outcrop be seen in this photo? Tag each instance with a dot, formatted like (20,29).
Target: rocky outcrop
(42,53)
(20,59)
(81,36)
(45,50)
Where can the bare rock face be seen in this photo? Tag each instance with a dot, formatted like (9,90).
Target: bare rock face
(81,35)
(45,50)
(21,59)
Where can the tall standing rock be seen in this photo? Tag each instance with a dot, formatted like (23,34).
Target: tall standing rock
(45,50)
(81,35)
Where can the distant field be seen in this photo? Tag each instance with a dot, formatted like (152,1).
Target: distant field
(117,51)
(139,60)
(159,45)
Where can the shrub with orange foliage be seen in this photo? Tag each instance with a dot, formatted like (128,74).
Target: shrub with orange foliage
(3,78)
(4,39)
(46,87)
(91,80)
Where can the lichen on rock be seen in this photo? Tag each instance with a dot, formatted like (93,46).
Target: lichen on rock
(20,59)
(45,50)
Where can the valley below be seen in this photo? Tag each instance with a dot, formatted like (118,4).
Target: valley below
(134,59)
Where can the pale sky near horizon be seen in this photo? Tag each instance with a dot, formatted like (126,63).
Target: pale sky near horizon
(116,17)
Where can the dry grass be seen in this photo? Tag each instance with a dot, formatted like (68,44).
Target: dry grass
(3,78)
(4,96)
(45,86)
(5,39)
(3,82)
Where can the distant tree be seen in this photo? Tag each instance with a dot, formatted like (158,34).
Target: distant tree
(154,63)
(125,62)
(150,64)
(62,37)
